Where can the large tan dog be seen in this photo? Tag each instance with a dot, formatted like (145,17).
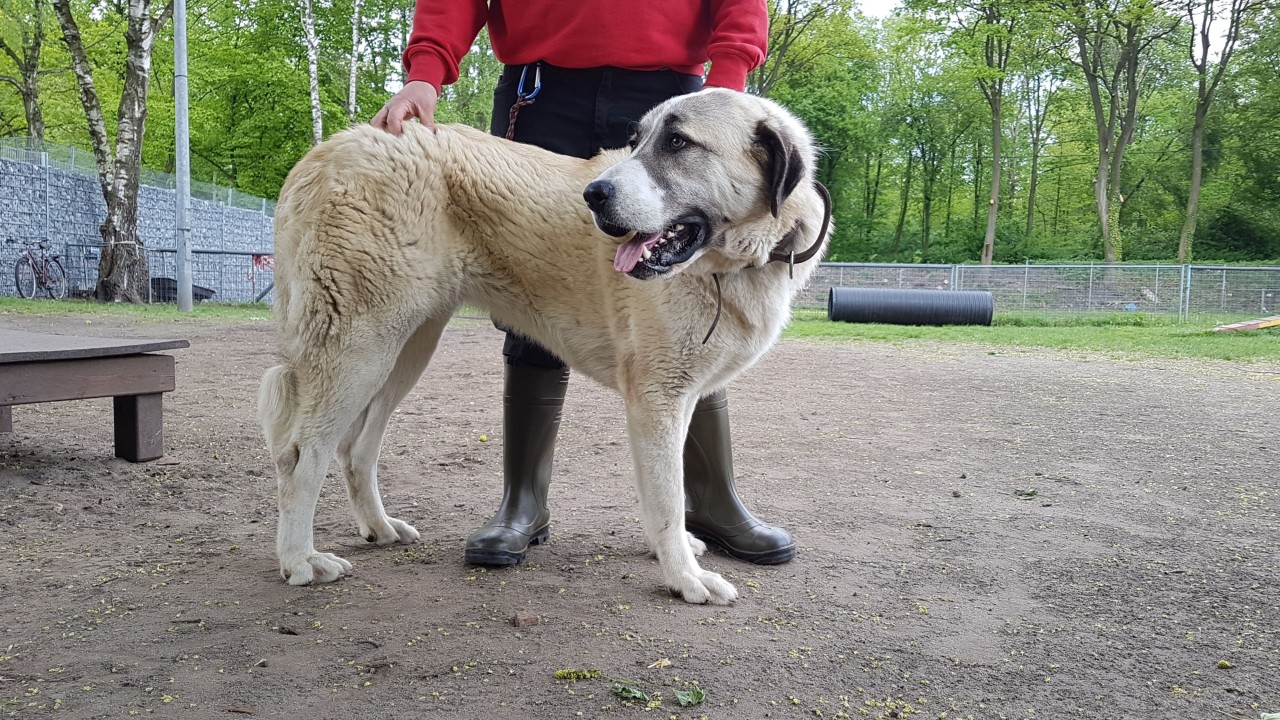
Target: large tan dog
(380,238)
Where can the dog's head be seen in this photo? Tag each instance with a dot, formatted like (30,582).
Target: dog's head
(709,174)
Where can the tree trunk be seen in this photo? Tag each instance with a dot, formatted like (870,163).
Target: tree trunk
(122,265)
(31,103)
(1193,194)
(871,196)
(926,216)
(313,67)
(355,57)
(1033,183)
(951,183)
(902,211)
(977,180)
(1057,199)
(993,203)
(1101,203)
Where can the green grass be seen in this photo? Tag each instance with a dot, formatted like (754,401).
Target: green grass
(1128,334)
(1132,334)
(159,312)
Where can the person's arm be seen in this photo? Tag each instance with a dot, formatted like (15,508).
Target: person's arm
(739,41)
(443,31)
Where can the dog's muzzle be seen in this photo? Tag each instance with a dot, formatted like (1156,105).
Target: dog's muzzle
(647,254)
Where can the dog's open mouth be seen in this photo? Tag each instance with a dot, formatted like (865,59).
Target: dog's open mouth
(646,255)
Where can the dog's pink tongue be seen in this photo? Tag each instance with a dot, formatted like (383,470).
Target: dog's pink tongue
(629,253)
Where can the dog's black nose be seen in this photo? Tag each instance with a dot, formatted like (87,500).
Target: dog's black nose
(598,194)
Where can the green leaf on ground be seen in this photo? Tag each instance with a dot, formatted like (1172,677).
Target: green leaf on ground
(692,696)
(628,692)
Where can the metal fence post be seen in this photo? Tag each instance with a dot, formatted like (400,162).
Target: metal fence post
(44,160)
(1222,295)
(1089,303)
(1186,293)
(1026,278)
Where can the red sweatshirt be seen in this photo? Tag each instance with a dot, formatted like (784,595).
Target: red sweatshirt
(633,34)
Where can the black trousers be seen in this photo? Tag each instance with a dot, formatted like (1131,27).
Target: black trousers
(577,112)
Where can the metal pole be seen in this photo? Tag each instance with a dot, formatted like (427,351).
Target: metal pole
(44,158)
(1026,279)
(1089,306)
(182,159)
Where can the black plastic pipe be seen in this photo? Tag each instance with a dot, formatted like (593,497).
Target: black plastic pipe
(910,307)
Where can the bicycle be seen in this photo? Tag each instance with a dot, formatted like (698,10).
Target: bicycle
(38,272)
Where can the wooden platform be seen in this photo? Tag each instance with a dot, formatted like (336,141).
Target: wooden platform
(36,368)
(1258,324)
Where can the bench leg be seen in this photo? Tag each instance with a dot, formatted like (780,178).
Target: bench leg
(138,421)
(6,419)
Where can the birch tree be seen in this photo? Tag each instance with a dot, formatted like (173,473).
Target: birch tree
(355,58)
(122,265)
(313,67)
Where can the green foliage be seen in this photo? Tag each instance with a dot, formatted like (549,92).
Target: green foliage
(896,105)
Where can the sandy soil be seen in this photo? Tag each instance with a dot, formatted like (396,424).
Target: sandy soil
(930,583)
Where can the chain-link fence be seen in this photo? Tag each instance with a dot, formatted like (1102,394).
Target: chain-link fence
(50,192)
(1181,290)
(216,275)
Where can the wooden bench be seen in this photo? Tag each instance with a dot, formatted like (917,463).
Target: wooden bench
(36,368)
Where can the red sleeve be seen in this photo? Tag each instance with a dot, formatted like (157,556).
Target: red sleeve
(739,41)
(443,31)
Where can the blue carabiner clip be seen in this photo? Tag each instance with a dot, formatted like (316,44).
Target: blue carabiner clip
(537,82)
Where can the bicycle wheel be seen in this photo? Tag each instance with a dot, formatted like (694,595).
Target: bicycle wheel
(24,277)
(55,281)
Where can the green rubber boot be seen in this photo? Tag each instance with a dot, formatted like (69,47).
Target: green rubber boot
(713,511)
(531,403)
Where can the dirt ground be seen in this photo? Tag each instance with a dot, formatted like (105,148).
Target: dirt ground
(1141,580)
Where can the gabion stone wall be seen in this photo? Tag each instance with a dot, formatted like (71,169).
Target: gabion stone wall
(64,207)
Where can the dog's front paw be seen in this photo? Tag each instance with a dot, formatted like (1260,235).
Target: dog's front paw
(700,586)
(315,568)
(390,531)
(697,546)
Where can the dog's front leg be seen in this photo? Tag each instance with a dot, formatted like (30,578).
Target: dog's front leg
(657,431)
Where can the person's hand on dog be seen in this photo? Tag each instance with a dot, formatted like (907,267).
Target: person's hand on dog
(416,99)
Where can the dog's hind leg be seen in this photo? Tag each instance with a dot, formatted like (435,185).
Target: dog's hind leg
(312,402)
(657,429)
(358,452)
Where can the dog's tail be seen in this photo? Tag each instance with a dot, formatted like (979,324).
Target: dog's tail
(275,404)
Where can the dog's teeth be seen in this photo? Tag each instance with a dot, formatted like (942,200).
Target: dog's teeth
(645,254)
(679,227)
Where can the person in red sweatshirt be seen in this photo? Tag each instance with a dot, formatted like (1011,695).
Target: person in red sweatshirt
(577,77)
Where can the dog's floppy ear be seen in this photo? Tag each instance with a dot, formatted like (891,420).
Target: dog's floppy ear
(783,167)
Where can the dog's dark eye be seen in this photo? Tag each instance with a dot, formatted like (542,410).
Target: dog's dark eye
(677,142)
